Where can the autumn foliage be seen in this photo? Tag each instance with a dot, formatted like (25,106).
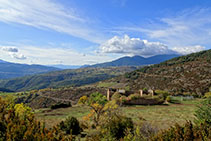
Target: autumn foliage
(17,122)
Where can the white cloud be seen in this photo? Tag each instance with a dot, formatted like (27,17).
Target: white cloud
(17,56)
(13,52)
(185,29)
(189,49)
(46,14)
(9,49)
(48,55)
(134,46)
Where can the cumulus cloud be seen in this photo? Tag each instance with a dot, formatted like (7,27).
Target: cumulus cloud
(9,49)
(18,56)
(13,52)
(188,27)
(134,46)
(188,49)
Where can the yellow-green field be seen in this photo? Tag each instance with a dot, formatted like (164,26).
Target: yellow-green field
(161,116)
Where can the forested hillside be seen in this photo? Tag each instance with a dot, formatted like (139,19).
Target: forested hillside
(75,77)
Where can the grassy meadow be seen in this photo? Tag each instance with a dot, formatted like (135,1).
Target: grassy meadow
(160,116)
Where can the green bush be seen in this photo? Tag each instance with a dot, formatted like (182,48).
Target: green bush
(70,126)
(145,90)
(208,94)
(97,98)
(161,93)
(61,105)
(116,96)
(168,99)
(188,132)
(117,126)
(203,113)
(134,96)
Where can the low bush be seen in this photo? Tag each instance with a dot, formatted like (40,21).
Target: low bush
(61,105)
(116,96)
(116,126)
(188,132)
(163,94)
(134,96)
(70,126)
(168,99)
(203,112)
(82,100)
(208,94)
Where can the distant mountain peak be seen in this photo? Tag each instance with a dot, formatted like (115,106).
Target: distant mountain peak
(136,61)
(13,70)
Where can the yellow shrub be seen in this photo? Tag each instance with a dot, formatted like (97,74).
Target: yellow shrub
(82,100)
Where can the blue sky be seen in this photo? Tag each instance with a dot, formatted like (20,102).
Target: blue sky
(78,32)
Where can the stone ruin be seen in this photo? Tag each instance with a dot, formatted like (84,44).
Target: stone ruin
(150,92)
(111,91)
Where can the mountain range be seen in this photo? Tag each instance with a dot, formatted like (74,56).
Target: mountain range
(11,70)
(135,61)
(184,74)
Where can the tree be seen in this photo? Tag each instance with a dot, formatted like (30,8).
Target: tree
(97,102)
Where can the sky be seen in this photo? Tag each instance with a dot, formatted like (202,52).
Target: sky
(79,32)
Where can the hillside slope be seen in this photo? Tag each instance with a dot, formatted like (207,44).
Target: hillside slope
(191,73)
(11,70)
(75,77)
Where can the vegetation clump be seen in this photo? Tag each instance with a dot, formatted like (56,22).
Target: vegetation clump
(61,105)
(203,113)
(117,126)
(208,94)
(18,123)
(70,126)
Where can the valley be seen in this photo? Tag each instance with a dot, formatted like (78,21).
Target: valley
(155,97)
(105,70)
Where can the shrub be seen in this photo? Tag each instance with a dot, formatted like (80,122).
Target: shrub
(134,96)
(145,90)
(116,96)
(188,132)
(168,99)
(61,105)
(163,94)
(82,100)
(208,94)
(203,113)
(19,123)
(117,125)
(97,98)
(70,126)
(123,99)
